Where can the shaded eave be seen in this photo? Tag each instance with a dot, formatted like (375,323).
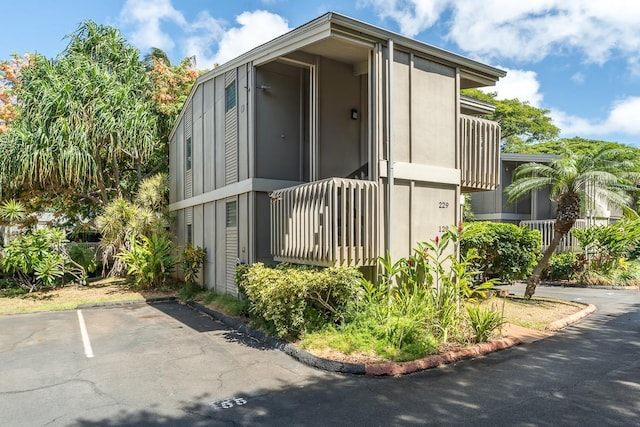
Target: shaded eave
(528,158)
(475,106)
(321,34)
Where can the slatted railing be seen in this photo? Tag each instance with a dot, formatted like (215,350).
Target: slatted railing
(547,228)
(333,222)
(480,153)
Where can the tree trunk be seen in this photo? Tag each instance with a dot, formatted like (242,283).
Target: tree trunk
(534,279)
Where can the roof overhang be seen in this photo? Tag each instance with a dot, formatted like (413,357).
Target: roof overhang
(348,40)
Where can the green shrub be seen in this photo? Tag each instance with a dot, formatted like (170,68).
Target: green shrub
(40,259)
(191,260)
(564,266)
(483,322)
(291,300)
(149,260)
(83,256)
(606,245)
(505,251)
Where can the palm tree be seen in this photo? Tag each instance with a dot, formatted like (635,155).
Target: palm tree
(569,177)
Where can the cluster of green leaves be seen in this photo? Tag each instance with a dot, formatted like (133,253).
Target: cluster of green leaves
(88,126)
(520,123)
(291,300)
(417,304)
(122,219)
(483,322)
(191,261)
(504,251)
(149,261)
(564,266)
(40,259)
(605,245)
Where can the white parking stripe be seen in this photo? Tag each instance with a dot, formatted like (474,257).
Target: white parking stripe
(88,351)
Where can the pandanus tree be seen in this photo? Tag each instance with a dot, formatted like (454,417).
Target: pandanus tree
(570,177)
(86,127)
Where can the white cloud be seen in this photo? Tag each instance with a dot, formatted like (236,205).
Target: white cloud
(520,84)
(255,28)
(578,77)
(412,16)
(146,16)
(526,31)
(206,38)
(621,119)
(203,36)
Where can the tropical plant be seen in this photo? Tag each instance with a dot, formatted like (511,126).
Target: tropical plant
(149,260)
(569,178)
(122,219)
(291,300)
(83,256)
(605,245)
(564,266)
(503,250)
(191,261)
(520,123)
(40,259)
(12,211)
(9,82)
(483,321)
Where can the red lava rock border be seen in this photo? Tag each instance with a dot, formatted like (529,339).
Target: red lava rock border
(401,368)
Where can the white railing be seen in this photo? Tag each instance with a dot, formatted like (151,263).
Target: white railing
(333,222)
(547,228)
(480,153)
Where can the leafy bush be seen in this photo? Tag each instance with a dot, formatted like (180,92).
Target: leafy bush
(291,300)
(483,322)
(505,251)
(191,261)
(605,245)
(40,259)
(83,256)
(149,260)
(564,266)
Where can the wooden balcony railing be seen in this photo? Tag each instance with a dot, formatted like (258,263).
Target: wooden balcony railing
(547,227)
(480,153)
(333,222)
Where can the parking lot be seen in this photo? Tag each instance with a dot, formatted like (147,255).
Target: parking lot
(165,364)
(137,364)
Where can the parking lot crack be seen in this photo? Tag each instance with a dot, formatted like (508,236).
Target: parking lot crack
(91,384)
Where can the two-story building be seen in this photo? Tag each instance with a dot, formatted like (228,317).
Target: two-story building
(330,145)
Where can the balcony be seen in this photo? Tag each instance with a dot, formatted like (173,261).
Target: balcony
(480,154)
(333,222)
(547,229)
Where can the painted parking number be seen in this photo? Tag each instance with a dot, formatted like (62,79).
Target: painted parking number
(228,403)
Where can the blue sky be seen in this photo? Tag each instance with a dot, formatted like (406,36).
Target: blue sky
(580,59)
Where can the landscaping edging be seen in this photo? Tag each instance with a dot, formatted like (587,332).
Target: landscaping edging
(373,369)
(571,319)
(386,368)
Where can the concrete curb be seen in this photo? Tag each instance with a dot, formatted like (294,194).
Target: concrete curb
(470,352)
(569,320)
(583,286)
(289,349)
(127,302)
(386,368)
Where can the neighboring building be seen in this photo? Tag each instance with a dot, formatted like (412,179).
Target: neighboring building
(312,149)
(537,210)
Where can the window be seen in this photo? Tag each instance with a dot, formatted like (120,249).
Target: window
(188,153)
(230,96)
(232,214)
(189,234)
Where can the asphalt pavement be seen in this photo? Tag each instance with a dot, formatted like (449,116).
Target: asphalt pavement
(165,364)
